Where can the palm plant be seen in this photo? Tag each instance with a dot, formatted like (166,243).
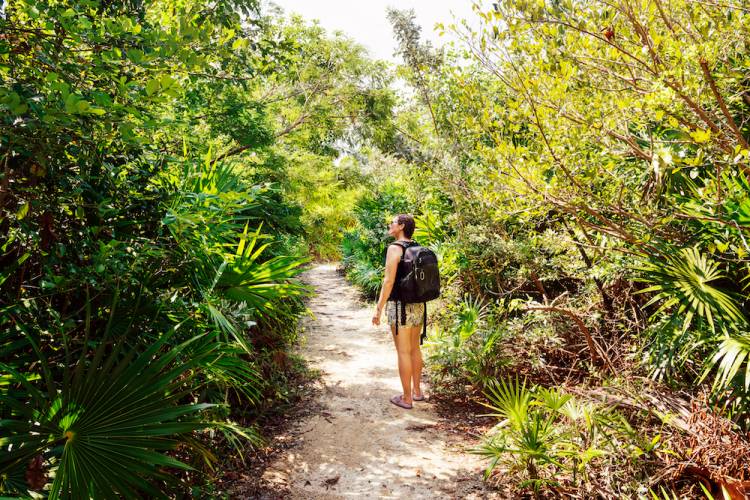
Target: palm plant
(554,399)
(209,205)
(242,286)
(738,207)
(730,355)
(257,283)
(541,427)
(229,370)
(472,312)
(466,349)
(237,282)
(510,401)
(671,349)
(364,246)
(104,426)
(529,435)
(482,359)
(687,281)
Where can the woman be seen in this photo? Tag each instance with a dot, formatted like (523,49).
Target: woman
(407,338)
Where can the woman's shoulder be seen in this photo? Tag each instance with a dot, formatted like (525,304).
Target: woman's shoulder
(395,251)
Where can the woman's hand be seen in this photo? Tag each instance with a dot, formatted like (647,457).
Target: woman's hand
(376,316)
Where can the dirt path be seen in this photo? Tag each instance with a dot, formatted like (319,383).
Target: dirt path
(360,445)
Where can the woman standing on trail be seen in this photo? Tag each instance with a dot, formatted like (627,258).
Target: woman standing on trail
(406,338)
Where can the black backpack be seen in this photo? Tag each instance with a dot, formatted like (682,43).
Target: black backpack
(417,280)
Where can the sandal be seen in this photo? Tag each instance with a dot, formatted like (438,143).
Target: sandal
(398,401)
(418,398)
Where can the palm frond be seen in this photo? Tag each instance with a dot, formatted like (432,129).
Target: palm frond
(731,354)
(510,400)
(687,281)
(105,432)
(257,283)
(472,312)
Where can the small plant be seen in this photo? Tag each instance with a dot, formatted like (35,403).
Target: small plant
(545,435)
(467,348)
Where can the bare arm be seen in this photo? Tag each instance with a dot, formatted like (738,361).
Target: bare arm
(392,259)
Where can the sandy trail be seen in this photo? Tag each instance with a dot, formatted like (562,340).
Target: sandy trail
(360,445)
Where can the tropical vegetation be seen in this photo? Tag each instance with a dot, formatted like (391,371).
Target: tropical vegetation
(157,207)
(581,169)
(168,169)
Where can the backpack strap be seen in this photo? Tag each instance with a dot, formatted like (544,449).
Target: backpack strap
(404,245)
(424,325)
(400,318)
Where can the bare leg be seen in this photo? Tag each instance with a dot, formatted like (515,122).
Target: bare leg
(403,350)
(416,359)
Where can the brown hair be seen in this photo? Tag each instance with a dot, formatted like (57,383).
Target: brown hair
(408,222)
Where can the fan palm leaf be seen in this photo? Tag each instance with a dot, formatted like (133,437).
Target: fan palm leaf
(105,428)
(257,283)
(731,354)
(687,281)
(241,286)
(510,400)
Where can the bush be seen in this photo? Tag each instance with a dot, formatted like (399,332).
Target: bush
(364,247)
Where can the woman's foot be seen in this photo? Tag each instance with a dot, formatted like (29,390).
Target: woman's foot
(399,401)
(417,397)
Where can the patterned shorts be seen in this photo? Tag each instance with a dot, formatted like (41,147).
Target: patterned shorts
(414,313)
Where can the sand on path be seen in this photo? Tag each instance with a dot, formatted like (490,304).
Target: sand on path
(359,445)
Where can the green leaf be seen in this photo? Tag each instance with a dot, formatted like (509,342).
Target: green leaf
(70,103)
(82,106)
(135,55)
(167,82)
(23,210)
(152,86)
(701,136)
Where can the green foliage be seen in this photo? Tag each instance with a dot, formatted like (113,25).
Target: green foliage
(258,284)
(170,289)
(105,428)
(468,346)
(117,231)
(686,284)
(364,246)
(580,150)
(549,436)
(429,228)
(328,193)
(556,155)
(686,280)
(329,103)
(575,165)
(730,355)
